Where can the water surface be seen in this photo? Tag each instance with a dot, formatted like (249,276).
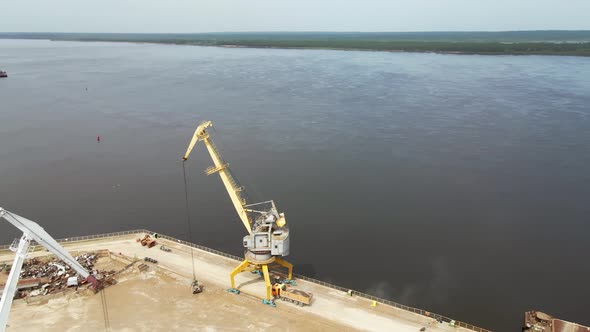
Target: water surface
(457,184)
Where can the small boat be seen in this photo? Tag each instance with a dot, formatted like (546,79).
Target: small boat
(3,74)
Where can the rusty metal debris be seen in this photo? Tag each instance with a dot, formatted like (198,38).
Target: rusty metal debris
(536,321)
(147,241)
(151,260)
(49,276)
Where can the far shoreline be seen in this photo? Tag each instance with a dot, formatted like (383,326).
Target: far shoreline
(376,50)
(318,48)
(545,42)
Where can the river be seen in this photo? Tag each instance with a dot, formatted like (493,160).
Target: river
(458,184)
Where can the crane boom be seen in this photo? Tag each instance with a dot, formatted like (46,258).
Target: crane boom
(37,233)
(222,168)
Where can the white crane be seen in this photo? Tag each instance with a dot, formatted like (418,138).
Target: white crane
(32,232)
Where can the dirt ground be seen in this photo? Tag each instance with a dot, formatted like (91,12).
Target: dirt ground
(155,300)
(160,298)
(3,277)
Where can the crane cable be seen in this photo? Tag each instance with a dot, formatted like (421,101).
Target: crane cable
(188,218)
(105,311)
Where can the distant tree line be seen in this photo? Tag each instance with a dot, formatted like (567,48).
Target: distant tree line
(575,43)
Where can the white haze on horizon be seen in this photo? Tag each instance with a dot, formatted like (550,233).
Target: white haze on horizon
(186,16)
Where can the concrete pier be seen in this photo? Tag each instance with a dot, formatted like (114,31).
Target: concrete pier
(160,298)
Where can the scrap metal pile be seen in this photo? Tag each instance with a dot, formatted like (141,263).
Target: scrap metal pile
(536,321)
(42,276)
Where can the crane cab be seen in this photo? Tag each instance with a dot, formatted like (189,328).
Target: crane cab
(257,241)
(267,238)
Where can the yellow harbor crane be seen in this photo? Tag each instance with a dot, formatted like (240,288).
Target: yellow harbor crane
(268,235)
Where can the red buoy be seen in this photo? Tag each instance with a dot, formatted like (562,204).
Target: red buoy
(98,138)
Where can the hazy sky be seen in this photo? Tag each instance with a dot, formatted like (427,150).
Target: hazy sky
(290,15)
